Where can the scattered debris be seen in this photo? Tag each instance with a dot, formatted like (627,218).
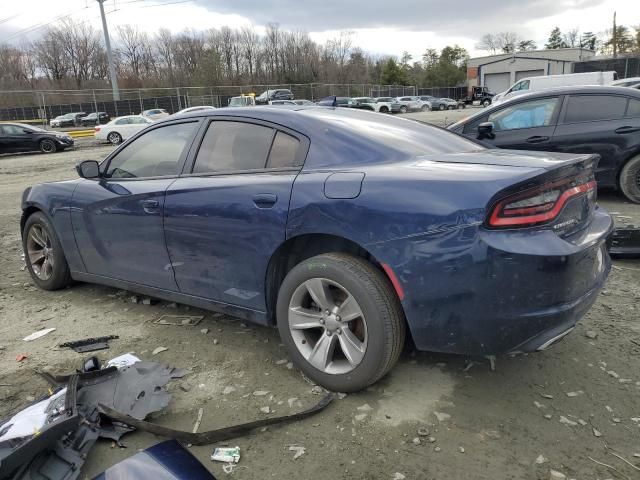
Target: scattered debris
(360,417)
(441,416)
(215,341)
(538,404)
(566,421)
(548,416)
(341,395)
(574,394)
(281,362)
(582,422)
(625,242)
(292,401)
(556,475)
(226,454)
(364,408)
(468,366)
(122,361)
(398,476)
(492,362)
(228,390)
(541,459)
(416,441)
(204,331)
(260,393)
(591,334)
(432,439)
(317,390)
(179,320)
(613,374)
(38,334)
(290,365)
(437,449)
(159,350)
(196,425)
(89,344)
(609,467)
(265,409)
(423,431)
(596,432)
(20,357)
(300,450)
(461,449)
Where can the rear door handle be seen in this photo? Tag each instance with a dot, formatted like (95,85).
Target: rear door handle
(150,206)
(537,139)
(265,200)
(627,129)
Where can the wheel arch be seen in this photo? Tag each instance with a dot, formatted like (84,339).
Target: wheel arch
(29,210)
(301,247)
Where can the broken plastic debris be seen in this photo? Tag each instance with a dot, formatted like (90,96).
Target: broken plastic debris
(38,334)
(179,320)
(226,454)
(123,361)
(21,357)
(159,350)
(300,450)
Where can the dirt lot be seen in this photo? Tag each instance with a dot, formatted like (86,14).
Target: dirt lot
(533,414)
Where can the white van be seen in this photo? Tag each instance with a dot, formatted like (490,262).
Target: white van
(532,84)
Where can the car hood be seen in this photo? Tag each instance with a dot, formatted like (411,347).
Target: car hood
(508,158)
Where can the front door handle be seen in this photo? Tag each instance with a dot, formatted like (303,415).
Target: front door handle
(265,200)
(150,206)
(537,139)
(627,129)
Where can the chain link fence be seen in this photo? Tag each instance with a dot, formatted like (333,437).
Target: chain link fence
(44,105)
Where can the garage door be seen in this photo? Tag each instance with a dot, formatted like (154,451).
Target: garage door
(528,73)
(497,82)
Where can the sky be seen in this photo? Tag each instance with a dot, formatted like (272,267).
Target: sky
(380,27)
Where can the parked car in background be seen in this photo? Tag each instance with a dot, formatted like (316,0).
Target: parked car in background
(348,230)
(277,94)
(342,101)
(282,102)
(384,104)
(19,137)
(303,101)
(197,108)
(242,101)
(446,104)
(625,82)
(155,113)
(409,104)
(542,82)
(121,128)
(363,103)
(72,119)
(95,118)
(600,120)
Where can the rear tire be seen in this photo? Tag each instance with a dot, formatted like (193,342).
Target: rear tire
(486,103)
(43,253)
(376,325)
(424,108)
(384,110)
(48,146)
(630,179)
(442,107)
(114,138)
(403,109)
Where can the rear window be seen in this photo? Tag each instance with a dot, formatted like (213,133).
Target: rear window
(589,108)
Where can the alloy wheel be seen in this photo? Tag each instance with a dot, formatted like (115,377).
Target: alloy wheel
(327,326)
(114,137)
(40,252)
(47,146)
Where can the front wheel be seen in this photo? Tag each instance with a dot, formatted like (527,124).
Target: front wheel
(341,321)
(43,253)
(486,103)
(630,179)
(424,108)
(48,146)
(384,110)
(115,138)
(442,107)
(403,109)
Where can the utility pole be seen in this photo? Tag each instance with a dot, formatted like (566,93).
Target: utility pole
(614,38)
(112,68)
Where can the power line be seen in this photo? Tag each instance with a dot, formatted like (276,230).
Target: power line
(38,26)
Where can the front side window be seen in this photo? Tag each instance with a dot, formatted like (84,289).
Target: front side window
(156,153)
(231,146)
(589,108)
(535,113)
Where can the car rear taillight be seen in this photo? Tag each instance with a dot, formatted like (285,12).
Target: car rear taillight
(538,205)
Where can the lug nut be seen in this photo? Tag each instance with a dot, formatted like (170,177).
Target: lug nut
(328,333)
(327,312)
(339,331)
(322,321)
(338,318)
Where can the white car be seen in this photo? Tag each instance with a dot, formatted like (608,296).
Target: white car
(155,113)
(121,128)
(282,102)
(199,108)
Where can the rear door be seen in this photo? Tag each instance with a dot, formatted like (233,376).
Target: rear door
(527,125)
(118,218)
(16,139)
(608,125)
(225,218)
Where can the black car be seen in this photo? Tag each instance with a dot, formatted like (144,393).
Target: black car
(268,95)
(18,137)
(72,119)
(602,120)
(95,118)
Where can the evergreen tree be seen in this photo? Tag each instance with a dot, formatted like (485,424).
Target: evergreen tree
(555,39)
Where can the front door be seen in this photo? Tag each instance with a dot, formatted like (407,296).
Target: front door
(118,219)
(224,220)
(14,138)
(525,125)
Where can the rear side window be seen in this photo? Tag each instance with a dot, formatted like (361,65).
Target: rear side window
(229,146)
(123,121)
(633,110)
(156,153)
(284,151)
(535,113)
(589,108)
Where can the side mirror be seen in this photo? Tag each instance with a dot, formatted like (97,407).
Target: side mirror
(485,130)
(88,169)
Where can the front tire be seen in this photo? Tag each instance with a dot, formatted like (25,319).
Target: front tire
(630,179)
(424,108)
(384,110)
(442,107)
(341,321)
(403,109)
(486,103)
(114,138)
(48,146)
(43,254)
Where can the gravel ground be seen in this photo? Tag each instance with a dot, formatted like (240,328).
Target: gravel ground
(533,414)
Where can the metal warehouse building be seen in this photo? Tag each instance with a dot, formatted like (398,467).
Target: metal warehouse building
(499,72)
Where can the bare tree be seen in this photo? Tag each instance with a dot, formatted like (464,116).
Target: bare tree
(489,43)
(507,41)
(572,38)
(250,46)
(165,47)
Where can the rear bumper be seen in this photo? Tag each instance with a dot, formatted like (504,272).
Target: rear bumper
(474,292)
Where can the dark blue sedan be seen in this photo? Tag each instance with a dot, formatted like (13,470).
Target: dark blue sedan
(347,229)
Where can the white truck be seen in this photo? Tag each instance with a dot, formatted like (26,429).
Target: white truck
(532,84)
